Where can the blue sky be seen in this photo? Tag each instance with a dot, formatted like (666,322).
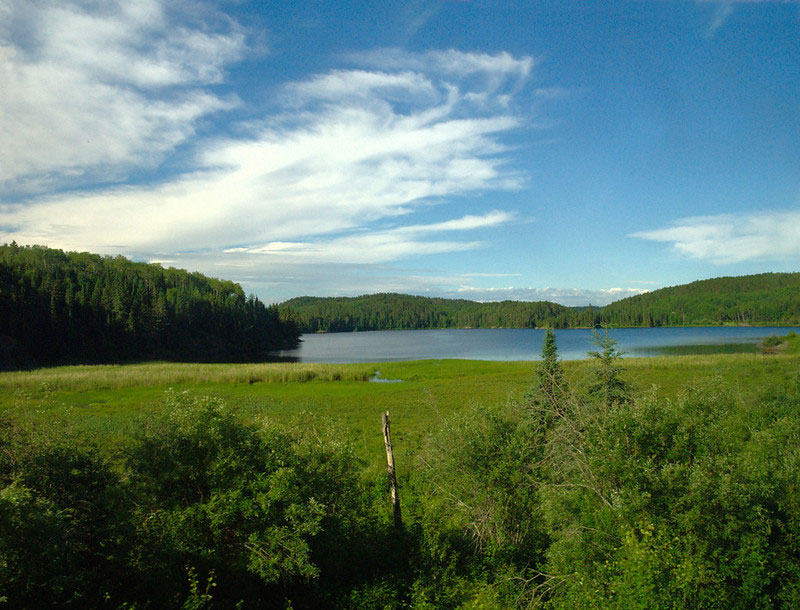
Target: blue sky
(563,150)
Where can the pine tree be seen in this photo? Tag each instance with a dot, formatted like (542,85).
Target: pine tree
(607,384)
(549,388)
(549,375)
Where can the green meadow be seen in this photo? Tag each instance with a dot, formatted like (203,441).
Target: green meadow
(103,403)
(664,482)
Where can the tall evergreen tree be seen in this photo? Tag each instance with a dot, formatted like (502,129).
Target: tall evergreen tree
(549,374)
(607,384)
(549,389)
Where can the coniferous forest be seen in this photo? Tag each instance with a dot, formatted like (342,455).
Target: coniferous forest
(764,299)
(58,307)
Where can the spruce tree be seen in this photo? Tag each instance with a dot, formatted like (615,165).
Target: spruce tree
(607,384)
(549,389)
(549,375)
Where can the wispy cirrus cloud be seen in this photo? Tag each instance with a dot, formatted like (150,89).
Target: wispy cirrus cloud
(317,180)
(723,9)
(733,238)
(90,91)
(382,245)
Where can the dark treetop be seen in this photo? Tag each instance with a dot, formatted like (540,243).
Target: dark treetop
(58,307)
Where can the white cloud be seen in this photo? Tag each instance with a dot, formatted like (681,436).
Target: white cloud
(564,296)
(331,180)
(349,84)
(383,143)
(552,93)
(734,238)
(724,8)
(466,223)
(96,89)
(497,68)
(721,13)
(486,81)
(379,246)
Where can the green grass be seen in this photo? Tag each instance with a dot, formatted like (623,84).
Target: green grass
(171,373)
(104,402)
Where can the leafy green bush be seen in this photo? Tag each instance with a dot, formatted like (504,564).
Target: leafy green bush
(479,505)
(63,522)
(272,512)
(685,505)
(202,511)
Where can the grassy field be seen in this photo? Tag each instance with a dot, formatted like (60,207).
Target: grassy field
(103,403)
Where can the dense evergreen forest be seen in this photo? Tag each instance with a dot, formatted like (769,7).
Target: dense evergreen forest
(58,307)
(400,311)
(768,298)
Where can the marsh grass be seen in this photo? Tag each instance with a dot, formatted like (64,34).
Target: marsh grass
(104,377)
(105,403)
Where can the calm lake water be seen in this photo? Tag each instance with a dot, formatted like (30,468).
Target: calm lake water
(521,344)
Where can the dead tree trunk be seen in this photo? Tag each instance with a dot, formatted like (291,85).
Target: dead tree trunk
(387,440)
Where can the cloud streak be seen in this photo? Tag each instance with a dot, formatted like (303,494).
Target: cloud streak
(379,246)
(733,238)
(317,181)
(89,94)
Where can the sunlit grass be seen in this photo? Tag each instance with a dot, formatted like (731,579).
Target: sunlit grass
(105,402)
(95,377)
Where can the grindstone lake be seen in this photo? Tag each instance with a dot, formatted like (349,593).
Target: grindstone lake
(523,343)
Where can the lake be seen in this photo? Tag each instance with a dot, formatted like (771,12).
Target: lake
(521,343)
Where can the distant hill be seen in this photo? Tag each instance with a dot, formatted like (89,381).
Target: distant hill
(387,311)
(768,298)
(69,307)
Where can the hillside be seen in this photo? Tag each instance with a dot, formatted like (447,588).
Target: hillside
(389,311)
(58,307)
(768,298)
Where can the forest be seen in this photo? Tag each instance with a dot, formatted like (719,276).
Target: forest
(398,311)
(58,307)
(68,307)
(764,299)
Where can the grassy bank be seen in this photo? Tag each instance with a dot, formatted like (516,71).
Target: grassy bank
(104,402)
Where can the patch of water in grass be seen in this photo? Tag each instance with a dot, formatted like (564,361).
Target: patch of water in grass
(376,378)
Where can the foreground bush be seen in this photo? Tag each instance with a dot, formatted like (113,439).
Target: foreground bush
(687,505)
(615,500)
(206,510)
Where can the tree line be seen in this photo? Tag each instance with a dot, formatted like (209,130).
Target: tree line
(390,311)
(70,307)
(764,299)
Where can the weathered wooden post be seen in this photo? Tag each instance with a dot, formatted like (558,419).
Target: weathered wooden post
(387,440)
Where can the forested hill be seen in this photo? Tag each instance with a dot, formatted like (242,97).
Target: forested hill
(769,298)
(58,307)
(401,311)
